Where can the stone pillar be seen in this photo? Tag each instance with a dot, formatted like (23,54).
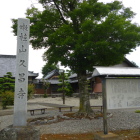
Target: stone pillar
(21,81)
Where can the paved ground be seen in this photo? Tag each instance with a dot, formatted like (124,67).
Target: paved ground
(6,116)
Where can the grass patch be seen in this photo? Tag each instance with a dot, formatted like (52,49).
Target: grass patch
(137,111)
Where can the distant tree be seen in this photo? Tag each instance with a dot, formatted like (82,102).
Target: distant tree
(48,68)
(46,85)
(65,86)
(81,34)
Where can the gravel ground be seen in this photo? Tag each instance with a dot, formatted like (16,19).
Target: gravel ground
(8,119)
(121,119)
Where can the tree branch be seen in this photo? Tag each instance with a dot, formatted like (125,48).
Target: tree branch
(60,12)
(64,6)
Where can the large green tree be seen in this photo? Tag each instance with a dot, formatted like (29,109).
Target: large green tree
(81,34)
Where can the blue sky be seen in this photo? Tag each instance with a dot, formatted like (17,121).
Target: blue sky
(16,8)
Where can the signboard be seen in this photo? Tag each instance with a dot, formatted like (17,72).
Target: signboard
(123,93)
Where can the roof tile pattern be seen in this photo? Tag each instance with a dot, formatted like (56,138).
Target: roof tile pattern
(8,64)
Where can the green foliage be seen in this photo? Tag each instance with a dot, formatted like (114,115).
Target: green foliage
(48,68)
(88,85)
(137,111)
(45,95)
(65,85)
(7,98)
(69,90)
(7,83)
(46,85)
(31,90)
(81,34)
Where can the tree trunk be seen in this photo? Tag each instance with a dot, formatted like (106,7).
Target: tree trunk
(84,107)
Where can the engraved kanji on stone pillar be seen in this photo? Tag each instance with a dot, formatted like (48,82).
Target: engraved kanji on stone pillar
(21,82)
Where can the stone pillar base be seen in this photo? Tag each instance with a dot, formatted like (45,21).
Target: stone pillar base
(109,136)
(20,133)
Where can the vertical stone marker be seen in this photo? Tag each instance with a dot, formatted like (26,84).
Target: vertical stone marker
(21,82)
(20,130)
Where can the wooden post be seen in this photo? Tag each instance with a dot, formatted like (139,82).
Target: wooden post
(63,76)
(104,99)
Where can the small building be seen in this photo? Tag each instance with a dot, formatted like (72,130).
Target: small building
(97,86)
(53,79)
(121,86)
(95,83)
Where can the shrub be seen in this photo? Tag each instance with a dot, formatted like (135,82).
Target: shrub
(45,95)
(31,90)
(7,98)
(7,83)
(65,86)
(137,111)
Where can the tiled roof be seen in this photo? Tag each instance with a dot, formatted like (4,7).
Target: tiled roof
(50,74)
(8,64)
(111,71)
(126,62)
(54,81)
(73,75)
(31,73)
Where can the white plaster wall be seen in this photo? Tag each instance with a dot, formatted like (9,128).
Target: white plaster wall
(123,93)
